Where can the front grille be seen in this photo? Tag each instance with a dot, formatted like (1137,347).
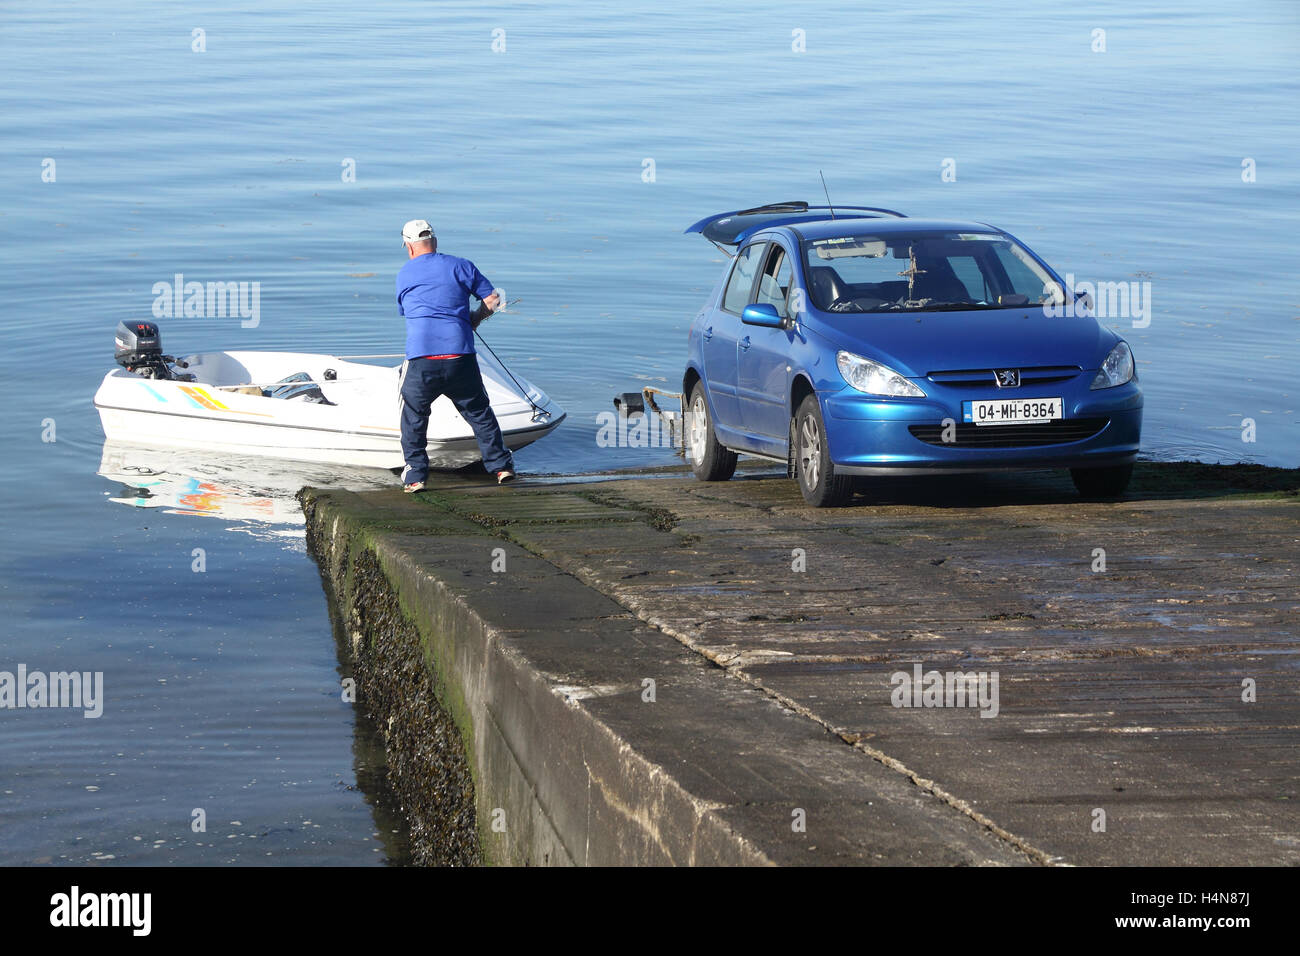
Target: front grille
(1040,375)
(966,435)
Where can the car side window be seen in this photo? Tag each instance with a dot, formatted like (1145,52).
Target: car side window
(774,283)
(741,282)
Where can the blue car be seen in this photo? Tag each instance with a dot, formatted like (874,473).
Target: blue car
(857,341)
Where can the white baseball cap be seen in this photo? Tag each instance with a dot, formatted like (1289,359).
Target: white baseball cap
(417,230)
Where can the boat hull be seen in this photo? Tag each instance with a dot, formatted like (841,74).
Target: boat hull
(362,429)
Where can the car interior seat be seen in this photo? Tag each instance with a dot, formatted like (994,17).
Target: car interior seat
(827,286)
(938,282)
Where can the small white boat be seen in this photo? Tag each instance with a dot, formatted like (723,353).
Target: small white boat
(330,410)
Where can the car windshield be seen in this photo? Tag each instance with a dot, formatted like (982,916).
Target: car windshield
(925,272)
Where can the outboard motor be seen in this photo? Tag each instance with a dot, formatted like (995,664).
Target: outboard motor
(138,349)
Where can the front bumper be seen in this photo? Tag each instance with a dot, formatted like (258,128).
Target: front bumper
(871,436)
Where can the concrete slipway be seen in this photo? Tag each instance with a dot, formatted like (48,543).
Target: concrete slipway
(655,670)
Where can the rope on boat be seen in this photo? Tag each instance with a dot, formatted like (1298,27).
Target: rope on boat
(538,412)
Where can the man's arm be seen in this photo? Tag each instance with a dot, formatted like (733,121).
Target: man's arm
(476,284)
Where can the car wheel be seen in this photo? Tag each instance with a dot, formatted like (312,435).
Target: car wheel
(821,487)
(1102,482)
(709,460)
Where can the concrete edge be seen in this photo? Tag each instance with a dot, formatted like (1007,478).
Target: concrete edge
(492,693)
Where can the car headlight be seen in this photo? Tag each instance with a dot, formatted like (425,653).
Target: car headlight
(874,378)
(1117,369)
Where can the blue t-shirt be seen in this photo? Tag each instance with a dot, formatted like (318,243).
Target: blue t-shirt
(433,293)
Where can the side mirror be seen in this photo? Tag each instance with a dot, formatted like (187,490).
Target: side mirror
(1084,299)
(763,314)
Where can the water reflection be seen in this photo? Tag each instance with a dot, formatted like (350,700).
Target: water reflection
(246,489)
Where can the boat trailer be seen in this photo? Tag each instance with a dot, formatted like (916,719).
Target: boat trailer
(639,403)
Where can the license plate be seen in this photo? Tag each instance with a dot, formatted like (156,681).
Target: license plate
(1016,411)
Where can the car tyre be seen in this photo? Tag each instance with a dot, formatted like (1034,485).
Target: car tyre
(709,460)
(1102,482)
(813,469)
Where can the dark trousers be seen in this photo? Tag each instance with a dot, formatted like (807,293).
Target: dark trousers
(460,380)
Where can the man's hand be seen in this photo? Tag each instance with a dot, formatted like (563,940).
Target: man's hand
(486,308)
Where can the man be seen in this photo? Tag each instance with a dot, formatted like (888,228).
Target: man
(433,293)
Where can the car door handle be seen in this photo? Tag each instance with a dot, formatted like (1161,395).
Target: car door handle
(708,333)
(744,343)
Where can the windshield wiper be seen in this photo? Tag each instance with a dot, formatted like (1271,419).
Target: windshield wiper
(848,305)
(952,306)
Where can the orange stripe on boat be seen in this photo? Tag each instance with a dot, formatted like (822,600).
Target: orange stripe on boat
(204,399)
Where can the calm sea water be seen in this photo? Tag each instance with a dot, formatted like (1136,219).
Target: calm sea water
(566,167)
